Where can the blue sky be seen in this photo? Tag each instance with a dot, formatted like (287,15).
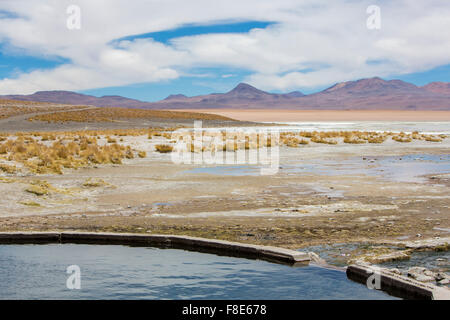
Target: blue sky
(192,30)
(148,51)
(208,80)
(14,61)
(192,86)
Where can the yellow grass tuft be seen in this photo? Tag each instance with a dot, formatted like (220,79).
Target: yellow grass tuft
(30,203)
(94,183)
(8,169)
(163,148)
(37,190)
(105,114)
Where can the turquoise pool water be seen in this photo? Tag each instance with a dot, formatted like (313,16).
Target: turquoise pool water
(122,272)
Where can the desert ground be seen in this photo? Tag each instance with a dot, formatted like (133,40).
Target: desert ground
(78,170)
(288,115)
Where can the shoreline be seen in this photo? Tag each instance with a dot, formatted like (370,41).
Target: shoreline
(392,284)
(289,115)
(215,246)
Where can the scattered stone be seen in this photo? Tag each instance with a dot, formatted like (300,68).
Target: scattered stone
(416,270)
(441,276)
(315,258)
(422,278)
(396,271)
(429,273)
(441,244)
(377,258)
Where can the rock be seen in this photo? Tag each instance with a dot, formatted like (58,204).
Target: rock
(361,262)
(444,281)
(315,258)
(424,275)
(386,257)
(429,273)
(396,271)
(441,244)
(423,278)
(416,270)
(441,276)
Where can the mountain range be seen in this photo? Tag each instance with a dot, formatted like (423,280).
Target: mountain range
(366,94)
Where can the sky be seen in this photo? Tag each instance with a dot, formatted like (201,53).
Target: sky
(151,49)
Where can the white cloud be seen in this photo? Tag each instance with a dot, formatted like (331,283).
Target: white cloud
(327,39)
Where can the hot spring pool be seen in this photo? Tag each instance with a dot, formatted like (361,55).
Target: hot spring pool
(123,272)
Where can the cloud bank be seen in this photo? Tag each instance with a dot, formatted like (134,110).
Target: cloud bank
(312,43)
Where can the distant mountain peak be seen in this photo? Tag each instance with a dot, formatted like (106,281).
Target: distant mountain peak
(375,84)
(438,87)
(175,96)
(57,92)
(294,94)
(245,87)
(371,94)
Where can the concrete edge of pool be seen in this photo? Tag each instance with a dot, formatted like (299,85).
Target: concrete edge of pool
(398,285)
(273,254)
(391,283)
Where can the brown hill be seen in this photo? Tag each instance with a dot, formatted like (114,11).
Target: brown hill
(438,87)
(365,94)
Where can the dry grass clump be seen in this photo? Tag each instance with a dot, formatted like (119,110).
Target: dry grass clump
(377,138)
(293,142)
(30,203)
(8,168)
(318,139)
(105,114)
(354,140)
(142,154)
(42,187)
(402,137)
(94,183)
(232,142)
(293,139)
(307,134)
(37,190)
(7,180)
(433,138)
(10,108)
(163,148)
(52,154)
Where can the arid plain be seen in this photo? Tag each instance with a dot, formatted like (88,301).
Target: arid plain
(99,169)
